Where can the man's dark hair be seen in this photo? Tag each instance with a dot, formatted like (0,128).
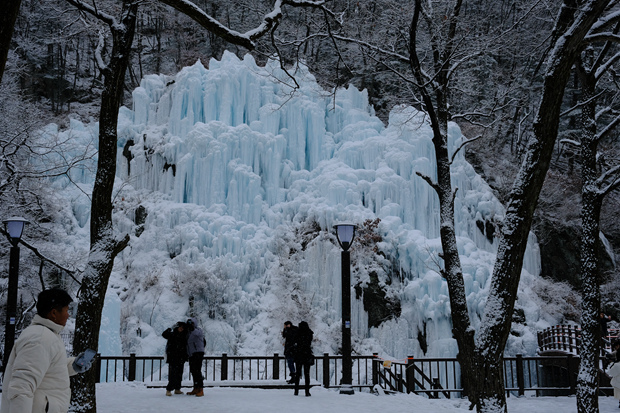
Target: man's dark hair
(54,298)
(288,323)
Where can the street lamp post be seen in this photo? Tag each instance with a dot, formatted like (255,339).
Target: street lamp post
(346,233)
(14,226)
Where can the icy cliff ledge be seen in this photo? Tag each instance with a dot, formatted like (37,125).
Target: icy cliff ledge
(230,180)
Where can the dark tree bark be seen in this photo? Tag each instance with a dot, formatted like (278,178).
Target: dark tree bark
(482,356)
(574,21)
(437,110)
(104,246)
(590,70)
(587,380)
(10,10)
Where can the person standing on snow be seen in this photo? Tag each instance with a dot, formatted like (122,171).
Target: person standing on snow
(196,350)
(303,355)
(176,356)
(36,378)
(288,333)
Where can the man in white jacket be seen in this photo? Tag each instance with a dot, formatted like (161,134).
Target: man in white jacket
(36,378)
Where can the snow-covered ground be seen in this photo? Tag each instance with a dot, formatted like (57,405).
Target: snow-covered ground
(136,397)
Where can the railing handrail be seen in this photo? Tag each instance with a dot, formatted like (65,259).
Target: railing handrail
(567,338)
(434,377)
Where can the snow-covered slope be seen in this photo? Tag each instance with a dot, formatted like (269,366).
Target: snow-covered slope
(230,180)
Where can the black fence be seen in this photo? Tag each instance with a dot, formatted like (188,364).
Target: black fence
(432,377)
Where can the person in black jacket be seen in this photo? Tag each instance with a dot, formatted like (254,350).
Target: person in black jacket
(303,355)
(288,333)
(176,356)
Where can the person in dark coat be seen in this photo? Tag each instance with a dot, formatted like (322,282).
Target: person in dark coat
(196,351)
(176,356)
(303,355)
(288,333)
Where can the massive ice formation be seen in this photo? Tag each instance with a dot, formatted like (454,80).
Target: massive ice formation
(230,179)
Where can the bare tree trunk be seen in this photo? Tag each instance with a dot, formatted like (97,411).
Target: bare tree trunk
(103,245)
(572,26)
(437,111)
(10,10)
(482,360)
(588,380)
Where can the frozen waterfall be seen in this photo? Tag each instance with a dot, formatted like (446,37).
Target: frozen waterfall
(230,180)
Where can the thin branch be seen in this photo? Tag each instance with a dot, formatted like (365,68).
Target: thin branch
(98,57)
(611,126)
(465,142)
(429,181)
(104,17)
(606,66)
(280,59)
(614,184)
(580,104)
(42,257)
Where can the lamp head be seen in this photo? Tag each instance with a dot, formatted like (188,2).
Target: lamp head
(345,232)
(15,226)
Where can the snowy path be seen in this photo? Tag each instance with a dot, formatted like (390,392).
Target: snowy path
(136,398)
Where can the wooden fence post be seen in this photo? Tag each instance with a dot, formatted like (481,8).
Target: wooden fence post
(409,374)
(435,387)
(276,367)
(224,367)
(520,377)
(131,374)
(375,369)
(98,369)
(326,370)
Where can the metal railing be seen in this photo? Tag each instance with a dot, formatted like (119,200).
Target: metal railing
(432,377)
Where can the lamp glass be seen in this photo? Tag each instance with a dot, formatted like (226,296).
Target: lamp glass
(345,232)
(15,227)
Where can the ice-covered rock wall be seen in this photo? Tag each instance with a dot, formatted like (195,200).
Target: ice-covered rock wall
(230,180)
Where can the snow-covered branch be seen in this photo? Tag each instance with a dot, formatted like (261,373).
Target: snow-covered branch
(606,66)
(570,142)
(465,142)
(100,46)
(598,37)
(369,46)
(104,17)
(605,21)
(609,128)
(615,180)
(429,181)
(70,273)
(580,104)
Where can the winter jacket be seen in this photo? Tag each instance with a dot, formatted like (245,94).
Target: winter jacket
(303,344)
(176,346)
(196,339)
(614,372)
(289,340)
(37,374)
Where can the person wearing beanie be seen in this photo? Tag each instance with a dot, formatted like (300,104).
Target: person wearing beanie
(36,378)
(196,351)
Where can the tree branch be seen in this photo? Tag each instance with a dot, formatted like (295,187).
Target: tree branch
(104,17)
(465,142)
(429,181)
(608,129)
(36,252)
